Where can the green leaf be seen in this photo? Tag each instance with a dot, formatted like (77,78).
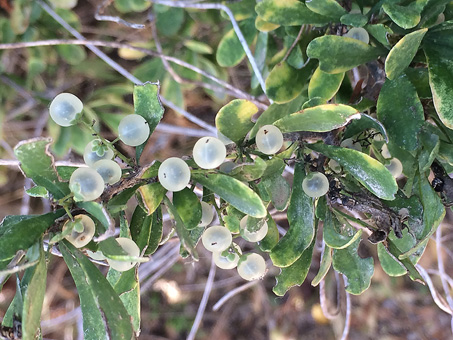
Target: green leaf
(324,85)
(320,118)
(289,13)
(234,192)
(152,195)
(295,274)
(429,148)
(95,209)
(404,16)
(340,54)
(354,19)
(276,111)
(326,262)
(380,32)
(21,232)
(401,112)
(169,20)
(140,227)
(395,250)
(33,291)
(365,122)
(188,207)
(147,104)
(72,54)
(301,221)
(232,218)
(419,77)
(37,191)
(272,236)
(339,234)
(438,47)
(402,53)
(278,190)
(368,171)
(181,230)
(156,232)
(230,51)
(249,171)
(285,83)
(102,310)
(198,46)
(358,271)
(328,8)
(234,119)
(38,164)
(389,263)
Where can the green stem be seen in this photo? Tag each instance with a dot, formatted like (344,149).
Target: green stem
(109,144)
(66,208)
(62,201)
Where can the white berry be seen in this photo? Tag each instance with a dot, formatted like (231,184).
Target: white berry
(395,167)
(385,151)
(209,152)
(133,130)
(65,109)
(216,238)
(260,229)
(229,260)
(131,248)
(315,184)
(86,184)
(174,174)
(109,170)
(83,229)
(95,151)
(207,214)
(269,139)
(358,33)
(251,267)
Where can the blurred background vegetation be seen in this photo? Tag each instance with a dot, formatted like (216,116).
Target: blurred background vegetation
(172,288)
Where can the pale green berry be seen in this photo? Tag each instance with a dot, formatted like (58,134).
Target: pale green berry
(65,109)
(385,151)
(133,130)
(269,139)
(207,214)
(99,256)
(82,232)
(131,248)
(174,174)
(358,33)
(349,144)
(216,238)
(334,166)
(395,167)
(256,232)
(209,152)
(95,151)
(109,170)
(251,267)
(315,184)
(227,259)
(86,184)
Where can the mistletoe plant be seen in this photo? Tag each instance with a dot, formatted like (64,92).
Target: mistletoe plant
(360,112)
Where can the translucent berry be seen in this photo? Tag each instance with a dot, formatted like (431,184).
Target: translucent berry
(256,231)
(209,152)
(109,170)
(133,130)
(131,248)
(207,214)
(216,238)
(65,109)
(334,166)
(86,184)
(227,259)
(251,267)
(96,255)
(315,184)
(269,139)
(96,151)
(358,33)
(83,229)
(385,152)
(174,174)
(349,143)
(395,167)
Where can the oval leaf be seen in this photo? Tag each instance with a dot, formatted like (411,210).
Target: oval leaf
(324,85)
(234,120)
(368,171)
(320,118)
(234,192)
(338,235)
(328,8)
(188,207)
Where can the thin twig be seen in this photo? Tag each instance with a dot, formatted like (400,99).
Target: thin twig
(245,46)
(347,321)
(232,293)
(204,302)
(294,43)
(438,300)
(99,16)
(324,304)
(441,267)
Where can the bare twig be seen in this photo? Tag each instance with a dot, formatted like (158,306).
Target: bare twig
(324,304)
(438,300)
(441,267)
(245,46)
(203,303)
(51,325)
(99,16)
(347,321)
(294,43)
(232,293)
